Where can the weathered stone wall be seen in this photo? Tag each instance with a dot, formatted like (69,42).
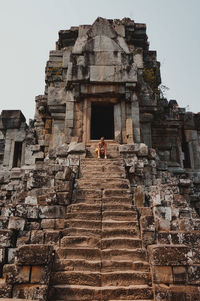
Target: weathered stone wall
(168,222)
(33,204)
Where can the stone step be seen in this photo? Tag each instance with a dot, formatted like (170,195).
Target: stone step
(97,265)
(119,215)
(86,200)
(77,223)
(84,215)
(97,225)
(116,192)
(124,278)
(106,174)
(117,200)
(124,265)
(86,293)
(78,253)
(112,224)
(95,161)
(102,168)
(89,193)
(77,265)
(117,207)
(125,233)
(106,206)
(83,207)
(120,243)
(72,278)
(80,241)
(124,254)
(102,183)
(81,231)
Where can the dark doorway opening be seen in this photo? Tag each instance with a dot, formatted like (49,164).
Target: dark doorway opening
(17,154)
(185,152)
(102,121)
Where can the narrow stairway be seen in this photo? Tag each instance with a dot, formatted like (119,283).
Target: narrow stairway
(101,255)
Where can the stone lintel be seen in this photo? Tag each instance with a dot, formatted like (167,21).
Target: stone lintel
(11,119)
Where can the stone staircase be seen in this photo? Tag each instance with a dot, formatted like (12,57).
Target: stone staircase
(100,256)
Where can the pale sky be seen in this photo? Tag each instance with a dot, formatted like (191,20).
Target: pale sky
(29,30)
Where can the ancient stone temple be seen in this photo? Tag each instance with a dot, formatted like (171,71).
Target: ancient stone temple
(74,227)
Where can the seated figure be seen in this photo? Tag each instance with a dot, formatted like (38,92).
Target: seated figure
(101,150)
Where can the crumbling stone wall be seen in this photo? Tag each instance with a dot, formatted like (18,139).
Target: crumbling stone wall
(33,210)
(169,224)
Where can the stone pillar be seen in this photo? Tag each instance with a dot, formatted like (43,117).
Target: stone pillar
(129,131)
(123,113)
(117,122)
(146,134)
(194,150)
(86,120)
(69,117)
(135,118)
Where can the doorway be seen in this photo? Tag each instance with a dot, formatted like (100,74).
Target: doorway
(102,121)
(17,154)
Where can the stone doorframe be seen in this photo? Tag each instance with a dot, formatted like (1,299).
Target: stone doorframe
(87,120)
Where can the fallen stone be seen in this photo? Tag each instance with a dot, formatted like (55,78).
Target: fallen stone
(76,148)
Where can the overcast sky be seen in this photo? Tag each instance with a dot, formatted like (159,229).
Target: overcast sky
(29,30)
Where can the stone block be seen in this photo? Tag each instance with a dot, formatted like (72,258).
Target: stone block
(56,96)
(48,223)
(5,290)
(139,196)
(35,148)
(16,223)
(105,58)
(179,274)
(61,151)
(30,291)
(31,200)
(195,255)
(120,29)
(112,74)
(162,274)
(23,238)
(37,237)
(32,212)
(66,58)
(52,237)
(147,223)
(34,255)
(6,238)
(39,275)
(52,211)
(2,255)
(148,238)
(167,255)
(76,147)
(11,255)
(60,223)
(194,275)
(16,274)
(12,119)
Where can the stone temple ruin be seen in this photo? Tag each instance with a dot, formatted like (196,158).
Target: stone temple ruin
(73,227)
